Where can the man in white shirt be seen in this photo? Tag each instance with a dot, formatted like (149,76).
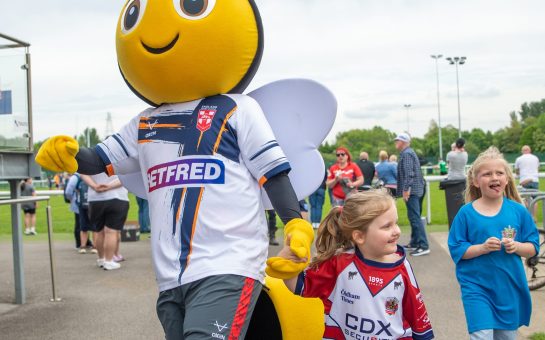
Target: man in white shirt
(527,167)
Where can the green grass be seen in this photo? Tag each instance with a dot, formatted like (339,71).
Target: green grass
(537,336)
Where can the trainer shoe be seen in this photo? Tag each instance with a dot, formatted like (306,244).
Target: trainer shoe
(119,258)
(409,247)
(100,263)
(94,251)
(82,251)
(28,232)
(420,252)
(111,265)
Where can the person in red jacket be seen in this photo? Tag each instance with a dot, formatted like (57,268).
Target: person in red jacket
(344,177)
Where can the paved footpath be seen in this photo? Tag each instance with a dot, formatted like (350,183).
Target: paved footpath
(120,304)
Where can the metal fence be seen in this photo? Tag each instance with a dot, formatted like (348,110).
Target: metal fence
(20,295)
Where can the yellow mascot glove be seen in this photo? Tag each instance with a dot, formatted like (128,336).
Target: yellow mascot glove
(281,268)
(58,153)
(301,236)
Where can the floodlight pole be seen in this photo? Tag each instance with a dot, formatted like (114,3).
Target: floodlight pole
(407,106)
(436,57)
(458,61)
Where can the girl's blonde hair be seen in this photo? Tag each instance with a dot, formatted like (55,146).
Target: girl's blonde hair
(382,155)
(335,231)
(393,158)
(490,154)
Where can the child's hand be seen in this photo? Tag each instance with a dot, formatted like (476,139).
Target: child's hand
(288,254)
(510,245)
(492,244)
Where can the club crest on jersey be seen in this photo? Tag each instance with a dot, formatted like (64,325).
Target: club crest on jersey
(204,118)
(188,172)
(391,305)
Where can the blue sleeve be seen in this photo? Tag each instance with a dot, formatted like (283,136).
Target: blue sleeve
(529,233)
(458,238)
(300,283)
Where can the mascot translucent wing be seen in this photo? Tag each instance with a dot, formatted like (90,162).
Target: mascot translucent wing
(301,113)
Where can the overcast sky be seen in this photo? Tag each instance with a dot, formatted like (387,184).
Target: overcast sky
(373,55)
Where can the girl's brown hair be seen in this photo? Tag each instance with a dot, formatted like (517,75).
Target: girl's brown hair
(335,231)
(490,154)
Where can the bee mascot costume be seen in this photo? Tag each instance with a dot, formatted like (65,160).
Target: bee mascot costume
(210,160)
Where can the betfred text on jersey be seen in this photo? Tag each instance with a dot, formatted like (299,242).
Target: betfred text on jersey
(186,172)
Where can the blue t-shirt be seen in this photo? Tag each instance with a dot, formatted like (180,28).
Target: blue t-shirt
(387,172)
(494,289)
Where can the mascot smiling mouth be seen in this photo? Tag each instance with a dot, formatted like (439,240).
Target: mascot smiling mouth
(162,49)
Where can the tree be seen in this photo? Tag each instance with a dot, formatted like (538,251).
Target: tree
(89,138)
(534,109)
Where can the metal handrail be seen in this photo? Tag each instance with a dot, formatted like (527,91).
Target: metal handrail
(27,199)
(533,201)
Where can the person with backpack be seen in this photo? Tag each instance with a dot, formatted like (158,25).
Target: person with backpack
(75,193)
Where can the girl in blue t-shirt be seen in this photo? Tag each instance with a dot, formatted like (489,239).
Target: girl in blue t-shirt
(487,239)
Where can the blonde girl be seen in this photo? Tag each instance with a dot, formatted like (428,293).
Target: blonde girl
(487,238)
(361,274)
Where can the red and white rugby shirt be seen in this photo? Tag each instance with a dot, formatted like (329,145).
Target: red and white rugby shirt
(368,300)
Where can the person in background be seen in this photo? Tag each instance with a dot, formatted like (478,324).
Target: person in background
(71,192)
(29,208)
(488,237)
(316,200)
(367,169)
(344,177)
(143,215)
(57,180)
(457,160)
(361,273)
(303,206)
(271,223)
(387,173)
(393,159)
(411,186)
(527,168)
(442,167)
(108,208)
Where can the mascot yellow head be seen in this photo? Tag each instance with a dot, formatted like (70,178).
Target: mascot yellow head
(172,51)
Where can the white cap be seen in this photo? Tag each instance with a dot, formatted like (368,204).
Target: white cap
(404,137)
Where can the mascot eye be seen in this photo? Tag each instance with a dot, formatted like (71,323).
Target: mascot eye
(133,14)
(194,9)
